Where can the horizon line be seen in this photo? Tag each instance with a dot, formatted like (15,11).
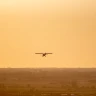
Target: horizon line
(46,67)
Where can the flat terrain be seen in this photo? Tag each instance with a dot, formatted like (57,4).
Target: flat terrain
(47,81)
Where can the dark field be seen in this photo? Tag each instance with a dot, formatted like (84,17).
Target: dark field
(48,82)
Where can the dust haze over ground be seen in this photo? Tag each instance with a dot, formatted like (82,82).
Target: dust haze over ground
(48,81)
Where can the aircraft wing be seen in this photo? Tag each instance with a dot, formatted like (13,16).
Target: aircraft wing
(38,53)
(49,53)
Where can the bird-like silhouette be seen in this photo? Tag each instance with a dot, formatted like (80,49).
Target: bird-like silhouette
(43,54)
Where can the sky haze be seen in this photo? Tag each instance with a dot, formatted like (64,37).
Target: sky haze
(67,28)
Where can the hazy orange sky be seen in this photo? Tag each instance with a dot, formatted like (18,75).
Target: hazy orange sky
(67,28)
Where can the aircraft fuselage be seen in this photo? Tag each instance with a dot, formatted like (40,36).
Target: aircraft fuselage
(44,55)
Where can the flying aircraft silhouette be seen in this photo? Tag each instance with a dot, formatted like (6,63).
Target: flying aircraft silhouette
(43,54)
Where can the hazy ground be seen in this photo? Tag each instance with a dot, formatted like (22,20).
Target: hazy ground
(27,81)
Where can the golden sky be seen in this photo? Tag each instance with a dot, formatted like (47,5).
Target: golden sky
(67,28)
